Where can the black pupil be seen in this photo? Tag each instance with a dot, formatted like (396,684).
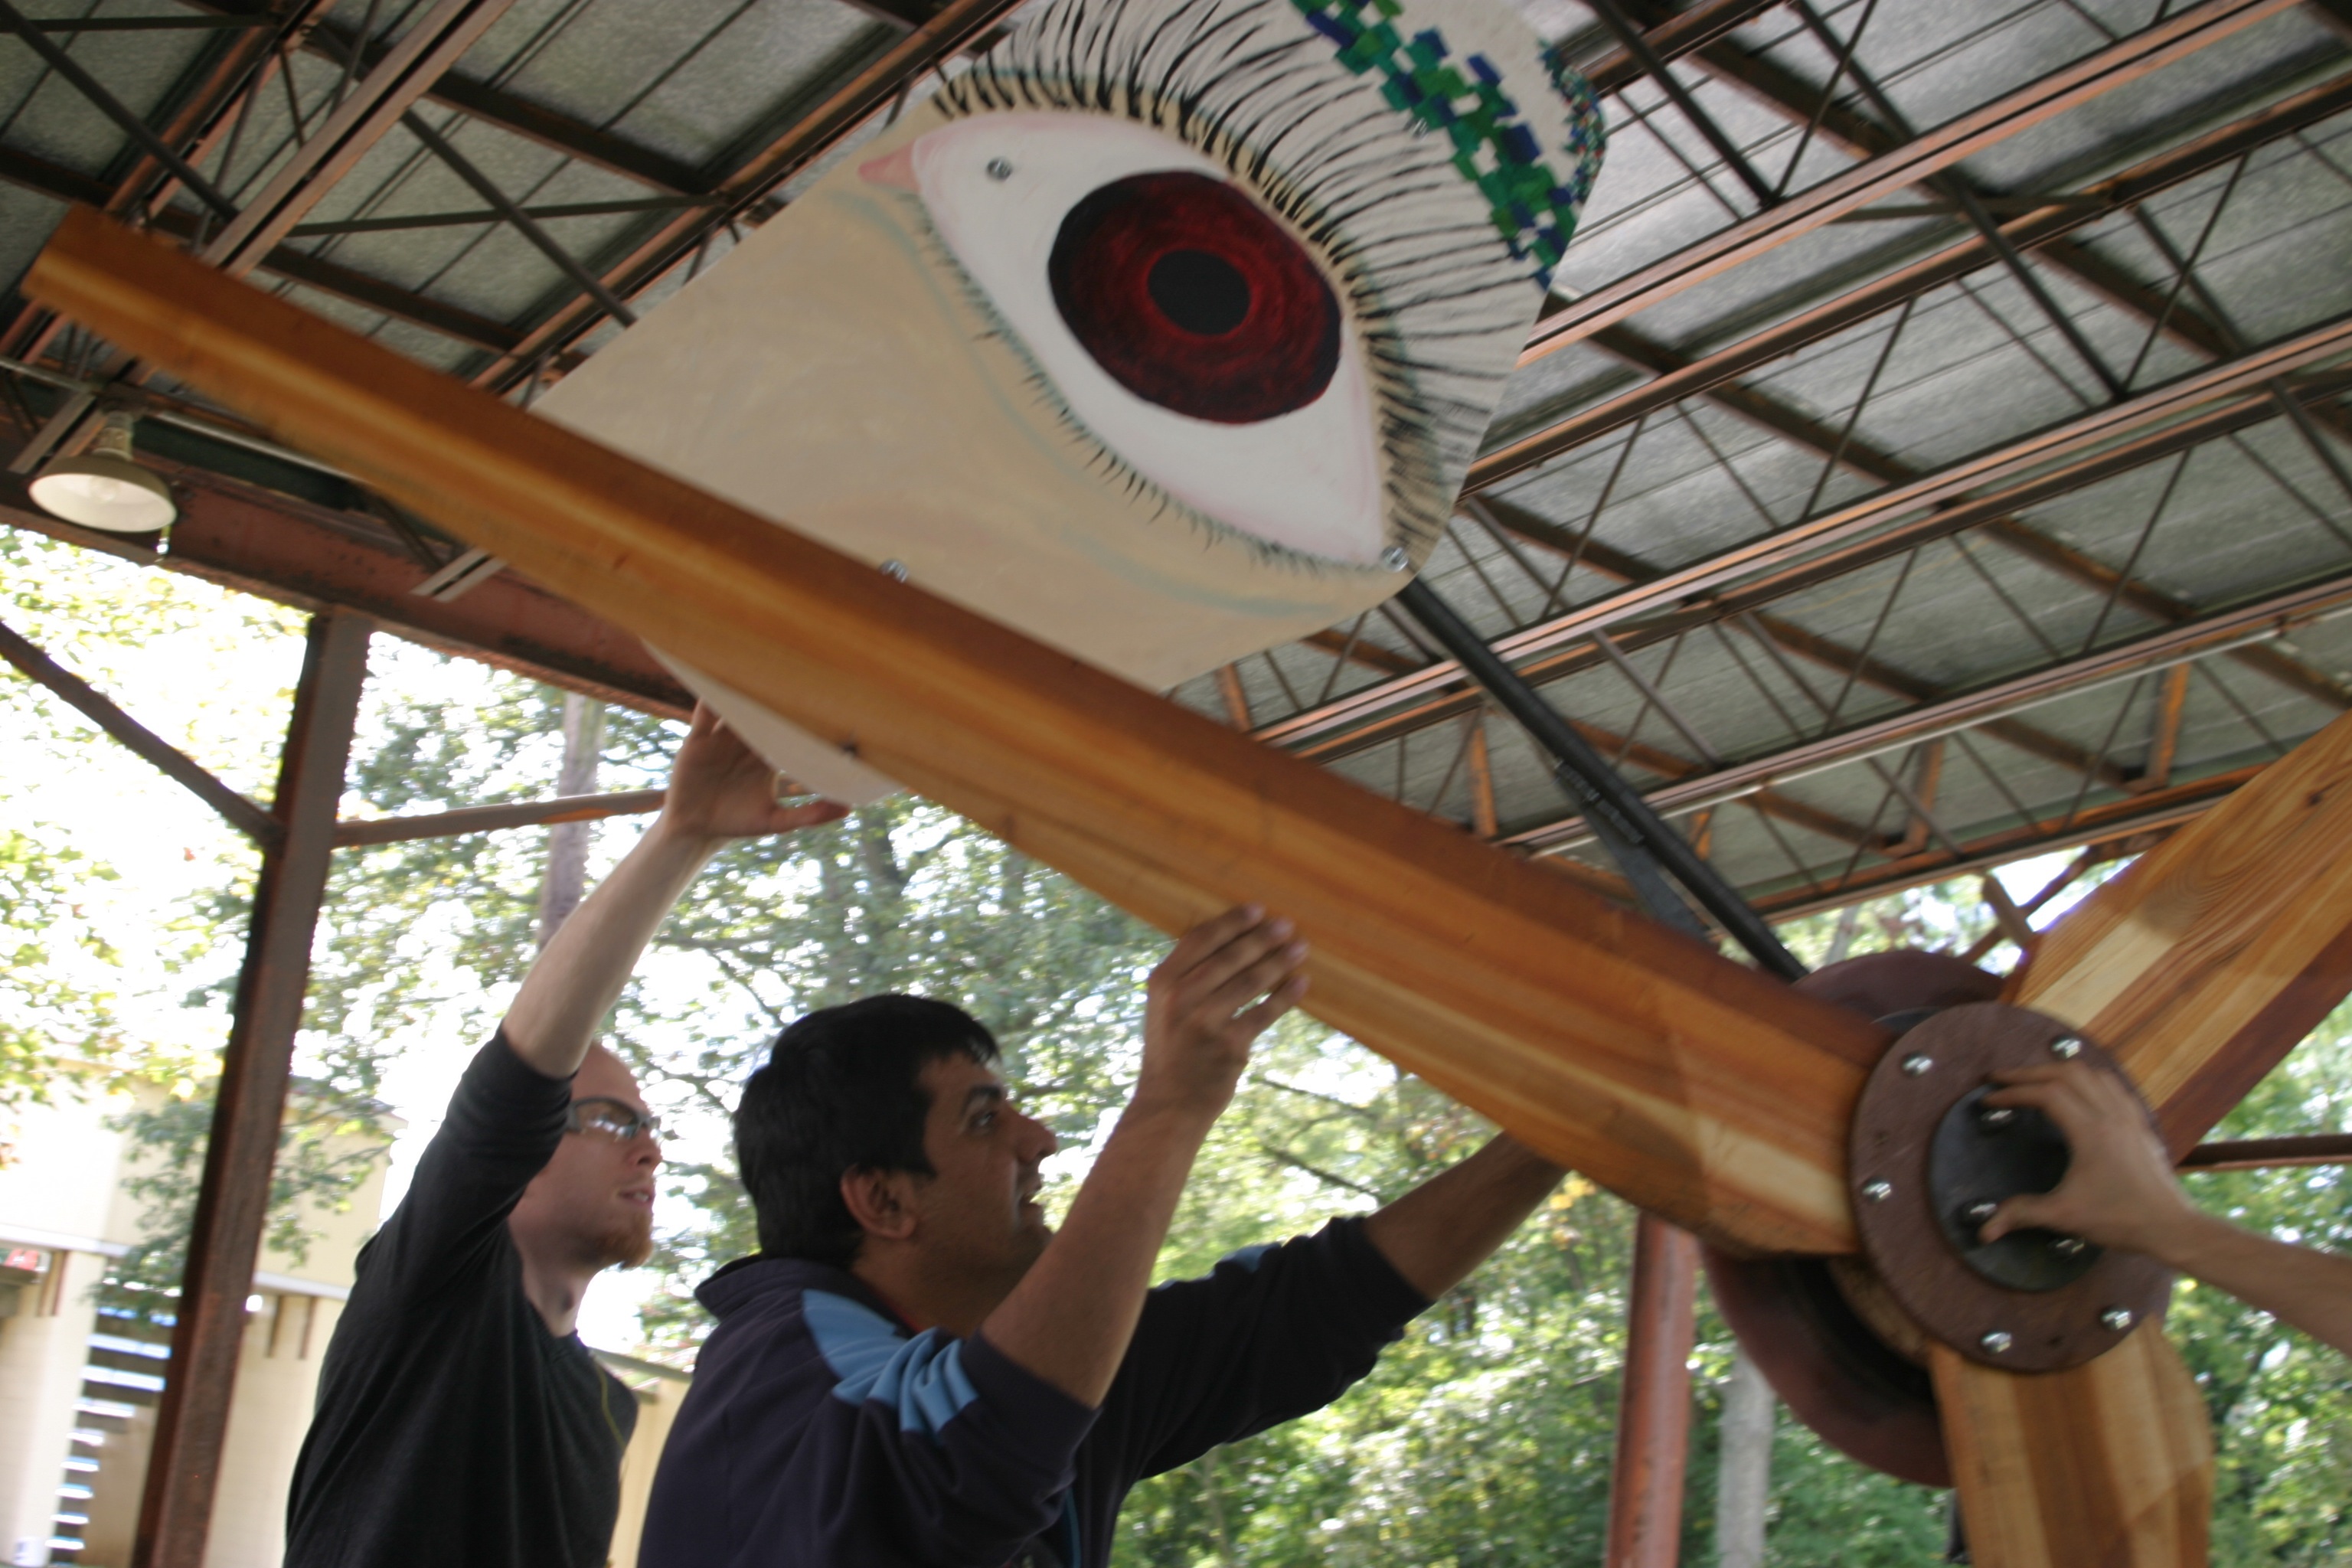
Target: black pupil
(1200,292)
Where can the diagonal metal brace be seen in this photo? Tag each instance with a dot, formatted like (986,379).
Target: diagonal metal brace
(1645,849)
(252,820)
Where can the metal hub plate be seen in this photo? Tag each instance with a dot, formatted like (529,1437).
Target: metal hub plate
(1924,1156)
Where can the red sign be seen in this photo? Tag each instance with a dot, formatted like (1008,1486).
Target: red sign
(31,1259)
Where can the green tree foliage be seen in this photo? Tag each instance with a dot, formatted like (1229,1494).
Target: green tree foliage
(57,1015)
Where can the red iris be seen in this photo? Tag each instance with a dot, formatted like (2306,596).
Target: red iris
(1193,298)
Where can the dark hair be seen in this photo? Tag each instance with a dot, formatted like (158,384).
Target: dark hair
(840,1092)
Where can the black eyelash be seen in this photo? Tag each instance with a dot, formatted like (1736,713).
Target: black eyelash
(1222,78)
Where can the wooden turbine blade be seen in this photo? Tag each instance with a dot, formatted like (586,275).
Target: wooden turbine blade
(1697,1088)
(2204,965)
(2198,968)
(2106,1465)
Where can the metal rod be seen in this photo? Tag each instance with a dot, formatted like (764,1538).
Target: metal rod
(1950,183)
(138,129)
(1620,818)
(232,1205)
(565,262)
(191,21)
(1637,44)
(455,219)
(2264,1153)
(241,813)
(2218,633)
(1646,1481)
(491,818)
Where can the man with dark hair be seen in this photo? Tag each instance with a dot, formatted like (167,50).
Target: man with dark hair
(916,1369)
(460,1420)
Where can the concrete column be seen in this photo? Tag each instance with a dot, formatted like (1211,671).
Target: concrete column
(42,1351)
(1744,1482)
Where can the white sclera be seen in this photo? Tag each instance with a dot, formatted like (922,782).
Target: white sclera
(1308,481)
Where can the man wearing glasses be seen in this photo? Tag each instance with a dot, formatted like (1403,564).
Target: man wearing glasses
(460,1420)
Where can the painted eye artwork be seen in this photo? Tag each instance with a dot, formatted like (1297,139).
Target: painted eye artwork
(1164,331)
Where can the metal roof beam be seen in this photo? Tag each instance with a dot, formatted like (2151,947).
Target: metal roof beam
(1945,497)
(1783,93)
(1672,37)
(276,548)
(375,104)
(2257,621)
(1793,425)
(495,106)
(2126,60)
(2105,832)
(2034,228)
(1862,668)
(955,29)
(36,175)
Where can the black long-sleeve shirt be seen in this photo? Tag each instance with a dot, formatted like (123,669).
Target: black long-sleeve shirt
(820,1434)
(453,1429)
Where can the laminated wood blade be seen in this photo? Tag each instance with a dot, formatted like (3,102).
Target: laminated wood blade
(2204,965)
(1696,1088)
(2106,1465)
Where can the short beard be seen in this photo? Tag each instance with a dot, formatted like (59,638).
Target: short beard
(625,1245)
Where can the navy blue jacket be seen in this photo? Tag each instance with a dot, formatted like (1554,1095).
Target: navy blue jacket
(820,1434)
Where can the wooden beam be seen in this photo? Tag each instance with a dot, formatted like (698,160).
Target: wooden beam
(2206,961)
(2109,1463)
(1690,1085)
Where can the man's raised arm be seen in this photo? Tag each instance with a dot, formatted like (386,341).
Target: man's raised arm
(719,789)
(1437,1232)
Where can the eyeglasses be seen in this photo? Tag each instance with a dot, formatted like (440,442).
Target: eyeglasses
(613,1119)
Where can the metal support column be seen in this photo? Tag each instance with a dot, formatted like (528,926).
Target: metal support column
(1653,1411)
(192,1419)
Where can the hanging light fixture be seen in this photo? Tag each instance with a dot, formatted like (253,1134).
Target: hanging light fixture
(105,487)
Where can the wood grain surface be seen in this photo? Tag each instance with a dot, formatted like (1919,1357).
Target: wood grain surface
(2204,963)
(2106,1465)
(1694,1087)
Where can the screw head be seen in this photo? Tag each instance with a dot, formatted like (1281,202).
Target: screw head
(1981,1211)
(2068,1245)
(1916,1065)
(1878,1191)
(1996,1342)
(1000,169)
(2116,1318)
(2066,1047)
(1394,558)
(1996,1115)
(895,570)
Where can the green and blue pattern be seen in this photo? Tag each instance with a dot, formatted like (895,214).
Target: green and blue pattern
(1533,209)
